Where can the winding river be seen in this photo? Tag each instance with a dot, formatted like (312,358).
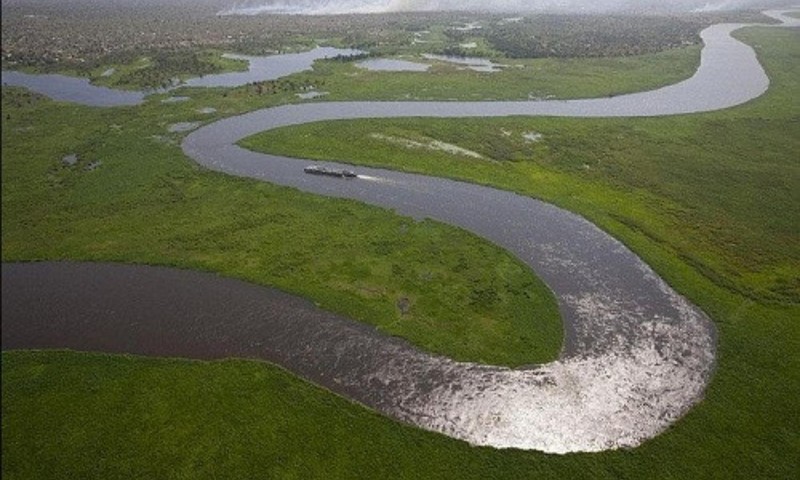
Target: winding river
(637,356)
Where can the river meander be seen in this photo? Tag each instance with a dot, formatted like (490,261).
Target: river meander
(637,356)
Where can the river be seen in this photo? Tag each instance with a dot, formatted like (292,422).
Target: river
(637,356)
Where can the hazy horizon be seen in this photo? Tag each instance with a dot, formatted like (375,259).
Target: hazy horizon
(329,7)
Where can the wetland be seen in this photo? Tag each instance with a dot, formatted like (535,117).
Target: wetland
(152,180)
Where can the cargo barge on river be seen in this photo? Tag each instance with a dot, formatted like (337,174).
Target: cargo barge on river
(317,170)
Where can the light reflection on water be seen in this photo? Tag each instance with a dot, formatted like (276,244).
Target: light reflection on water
(637,356)
(371,178)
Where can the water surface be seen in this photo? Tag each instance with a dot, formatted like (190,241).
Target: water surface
(72,89)
(270,67)
(471,63)
(393,65)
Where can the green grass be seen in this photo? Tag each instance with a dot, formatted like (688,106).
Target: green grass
(229,419)
(657,187)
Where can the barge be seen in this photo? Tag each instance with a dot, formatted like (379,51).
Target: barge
(317,170)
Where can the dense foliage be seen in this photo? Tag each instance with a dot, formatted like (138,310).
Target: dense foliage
(574,36)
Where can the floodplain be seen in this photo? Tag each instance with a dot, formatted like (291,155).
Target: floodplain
(708,200)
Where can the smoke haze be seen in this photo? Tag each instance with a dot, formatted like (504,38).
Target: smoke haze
(332,7)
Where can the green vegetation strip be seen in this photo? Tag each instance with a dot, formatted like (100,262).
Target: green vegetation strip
(159,68)
(93,416)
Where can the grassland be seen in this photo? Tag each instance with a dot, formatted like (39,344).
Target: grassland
(523,79)
(660,187)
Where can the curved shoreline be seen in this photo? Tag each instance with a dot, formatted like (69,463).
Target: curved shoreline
(637,355)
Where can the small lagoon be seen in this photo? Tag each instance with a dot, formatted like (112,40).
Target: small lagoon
(471,63)
(271,67)
(392,65)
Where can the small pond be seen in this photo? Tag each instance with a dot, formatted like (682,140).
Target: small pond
(271,67)
(392,65)
(471,63)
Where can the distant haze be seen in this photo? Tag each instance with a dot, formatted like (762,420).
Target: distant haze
(329,7)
